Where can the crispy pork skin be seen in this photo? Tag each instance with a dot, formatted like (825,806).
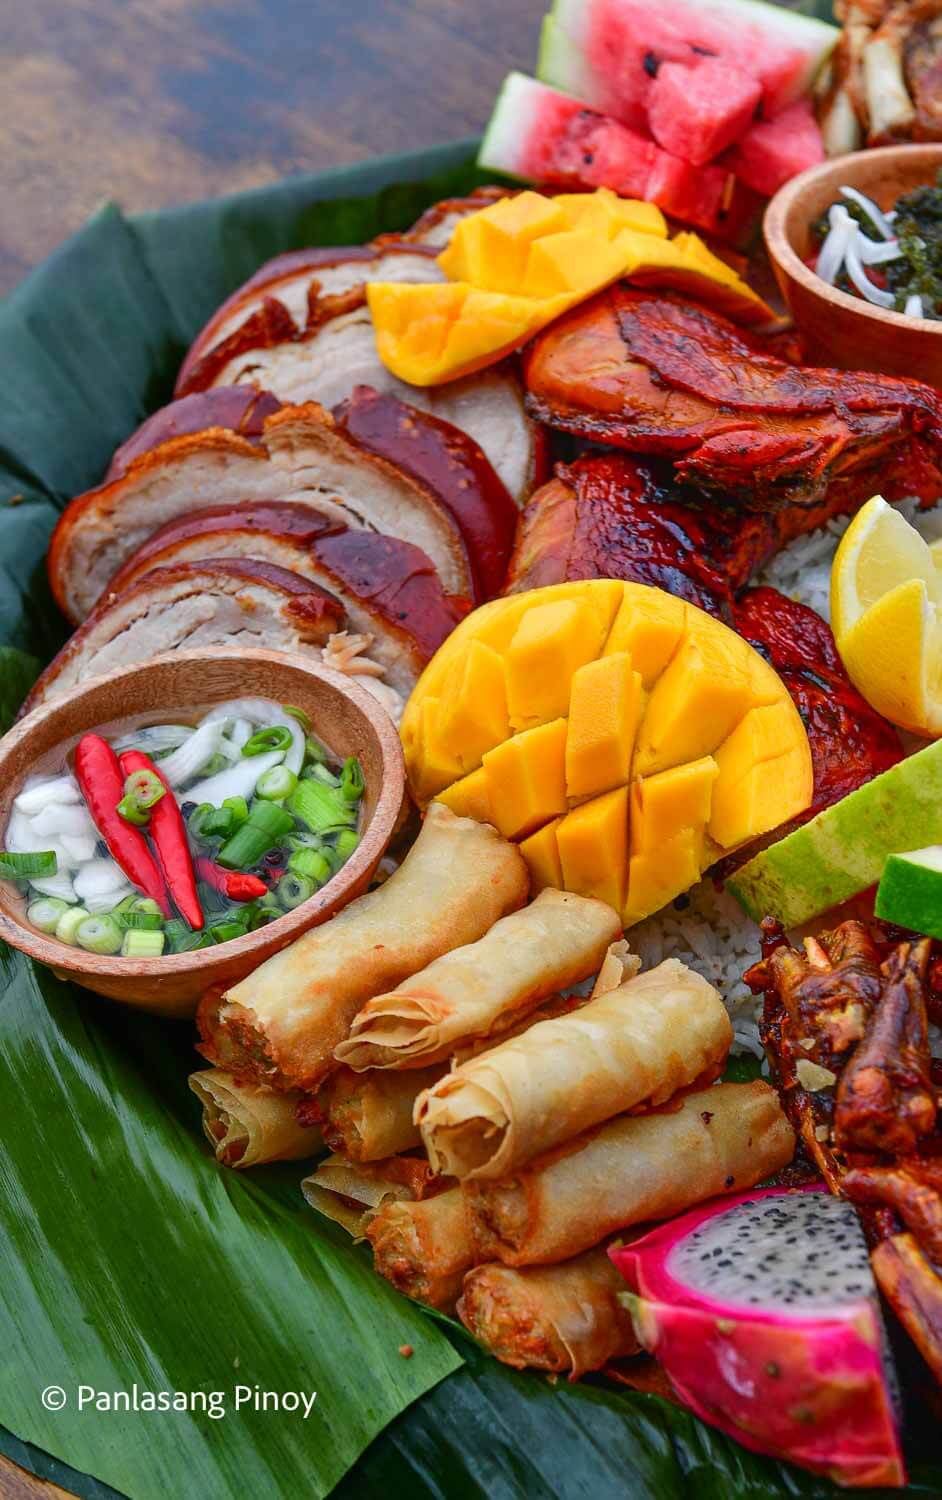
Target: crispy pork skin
(239,408)
(217,602)
(388,588)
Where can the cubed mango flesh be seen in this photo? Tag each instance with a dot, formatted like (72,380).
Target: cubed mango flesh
(469,797)
(649,626)
(767,795)
(697,701)
(659,875)
(438,769)
(685,264)
(526,779)
(472,715)
(593,848)
(541,853)
(551,642)
(671,800)
(604,709)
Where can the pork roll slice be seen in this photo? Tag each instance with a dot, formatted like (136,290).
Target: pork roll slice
(217,602)
(304,458)
(389,589)
(238,408)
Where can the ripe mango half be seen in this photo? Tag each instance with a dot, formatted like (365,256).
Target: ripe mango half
(522,262)
(625,739)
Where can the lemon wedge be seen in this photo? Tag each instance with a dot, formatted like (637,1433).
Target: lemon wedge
(886,586)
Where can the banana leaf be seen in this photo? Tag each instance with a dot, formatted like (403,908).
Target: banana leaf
(126,1254)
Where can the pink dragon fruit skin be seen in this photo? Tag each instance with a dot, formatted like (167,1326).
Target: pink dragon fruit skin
(809,1383)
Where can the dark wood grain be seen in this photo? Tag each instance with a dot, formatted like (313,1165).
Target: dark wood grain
(16,1484)
(152,102)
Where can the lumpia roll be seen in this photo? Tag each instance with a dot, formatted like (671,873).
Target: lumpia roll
(483,988)
(424,1248)
(565,1317)
(618,966)
(636,1045)
(637,1167)
(248,1125)
(352,1193)
(368,1116)
(281,1024)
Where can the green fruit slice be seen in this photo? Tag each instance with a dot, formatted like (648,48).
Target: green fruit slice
(910,892)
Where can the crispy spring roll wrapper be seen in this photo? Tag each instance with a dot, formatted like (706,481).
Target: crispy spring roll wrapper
(483,988)
(618,966)
(633,1046)
(352,1193)
(559,1318)
(281,1024)
(368,1116)
(248,1125)
(424,1248)
(637,1167)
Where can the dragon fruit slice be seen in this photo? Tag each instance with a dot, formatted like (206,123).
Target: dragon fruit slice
(764,1313)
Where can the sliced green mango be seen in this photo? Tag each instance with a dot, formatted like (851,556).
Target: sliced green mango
(910,892)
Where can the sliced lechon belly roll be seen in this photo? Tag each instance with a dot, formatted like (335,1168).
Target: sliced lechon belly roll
(304,457)
(389,588)
(238,408)
(218,602)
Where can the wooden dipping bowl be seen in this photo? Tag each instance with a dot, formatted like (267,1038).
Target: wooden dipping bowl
(346,717)
(839,329)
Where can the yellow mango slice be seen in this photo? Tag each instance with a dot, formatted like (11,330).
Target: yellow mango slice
(526,779)
(767,795)
(604,709)
(472,716)
(551,642)
(568,263)
(593,848)
(469,797)
(659,875)
(435,768)
(489,249)
(685,264)
(671,800)
(603,212)
(695,703)
(649,626)
(764,733)
(541,853)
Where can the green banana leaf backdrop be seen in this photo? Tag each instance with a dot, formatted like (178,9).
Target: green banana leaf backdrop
(127,1256)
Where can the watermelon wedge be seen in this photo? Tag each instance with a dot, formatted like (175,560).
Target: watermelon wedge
(608,52)
(773,151)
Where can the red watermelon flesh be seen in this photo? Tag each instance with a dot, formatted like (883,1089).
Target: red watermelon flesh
(773,151)
(695,112)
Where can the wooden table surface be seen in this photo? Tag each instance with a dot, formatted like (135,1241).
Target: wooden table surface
(152,102)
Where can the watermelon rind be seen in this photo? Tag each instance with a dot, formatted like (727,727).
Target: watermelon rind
(507,131)
(567,27)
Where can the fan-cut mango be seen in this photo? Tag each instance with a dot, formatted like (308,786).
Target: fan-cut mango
(643,739)
(523,261)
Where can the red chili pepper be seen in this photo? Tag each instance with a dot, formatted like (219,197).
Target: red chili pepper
(98,774)
(232,883)
(168,832)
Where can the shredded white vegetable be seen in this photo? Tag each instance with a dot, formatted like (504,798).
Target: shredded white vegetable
(261,713)
(238,780)
(64,818)
(862,282)
(241,732)
(99,877)
(153,738)
(190,757)
(55,885)
(876,215)
(846,247)
(914,306)
(79,848)
(47,791)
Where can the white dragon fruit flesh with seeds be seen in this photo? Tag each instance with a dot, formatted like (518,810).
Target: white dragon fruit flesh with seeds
(763,1312)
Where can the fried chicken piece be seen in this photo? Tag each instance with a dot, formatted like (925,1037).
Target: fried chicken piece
(885,1098)
(914,1291)
(913,1189)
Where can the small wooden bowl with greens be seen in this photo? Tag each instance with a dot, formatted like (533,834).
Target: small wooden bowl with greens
(856,245)
(165,828)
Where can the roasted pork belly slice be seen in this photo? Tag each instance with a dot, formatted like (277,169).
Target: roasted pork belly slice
(217,602)
(659,374)
(237,408)
(388,588)
(304,458)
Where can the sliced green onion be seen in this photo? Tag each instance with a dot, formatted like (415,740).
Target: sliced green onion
(239,809)
(100,935)
(276,784)
(132,812)
(138,944)
(145,788)
(26,866)
(45,914)
(261,915)
(347,841)
(320,807)
(192,943)
(314,751)
(298,714)
(352,784)
(176,931)
(266,825)
(197,819)
(294,890)
(142,921)
(69,923)
(312,864)
(324,774)
(277,737)
(218,824)
(305,841)
(224,932)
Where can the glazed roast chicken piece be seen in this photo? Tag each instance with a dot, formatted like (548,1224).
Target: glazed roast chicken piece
(389,589)
(657,373)
(845,1030)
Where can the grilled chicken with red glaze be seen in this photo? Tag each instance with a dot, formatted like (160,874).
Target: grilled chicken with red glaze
(846,1032)
(656,373)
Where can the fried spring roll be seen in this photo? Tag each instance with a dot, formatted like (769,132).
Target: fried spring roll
(424,1248)
(635,1168)
(565,1317)
(352,1193)
(368,1116)
(481,989)
(635,1045)
(248,1125)
(281,1024)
